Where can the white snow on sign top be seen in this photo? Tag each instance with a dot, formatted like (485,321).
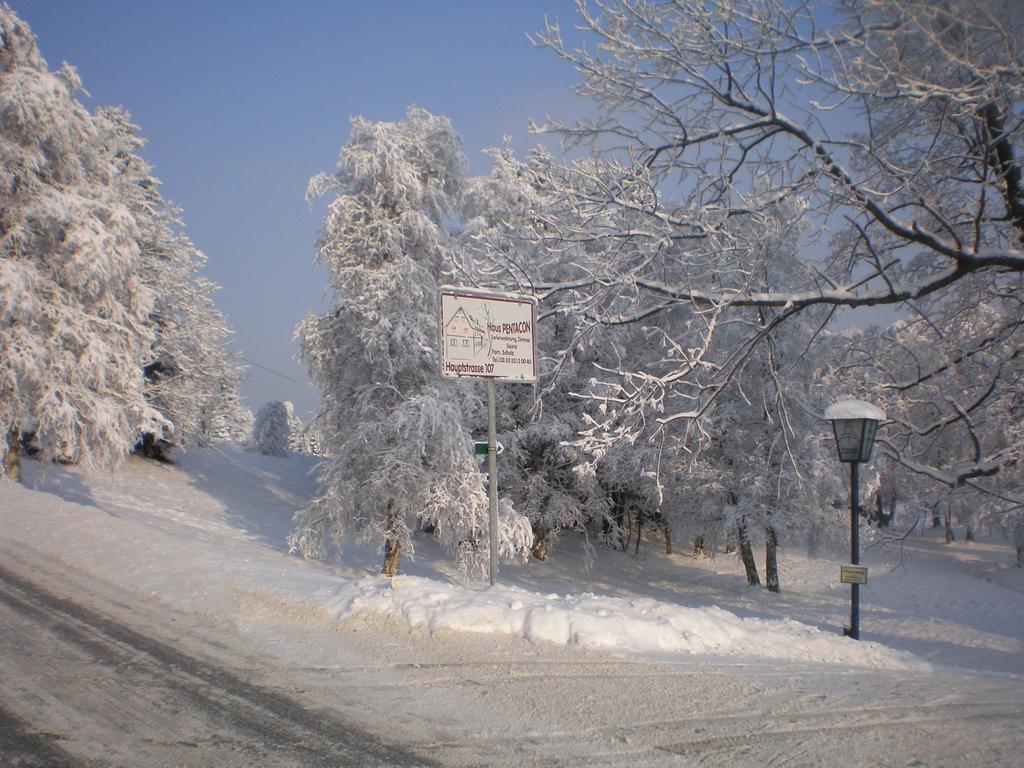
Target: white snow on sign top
(854,409)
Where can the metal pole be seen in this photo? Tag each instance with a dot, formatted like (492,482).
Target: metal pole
(492,481)
(854,547)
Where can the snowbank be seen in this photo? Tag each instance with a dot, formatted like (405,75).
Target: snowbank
(208,536)
(630,626)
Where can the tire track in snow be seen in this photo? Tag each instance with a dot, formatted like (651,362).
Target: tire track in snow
(24,746)
(266,723)
(797,740)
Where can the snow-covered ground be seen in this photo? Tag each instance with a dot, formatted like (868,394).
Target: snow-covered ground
(206,537)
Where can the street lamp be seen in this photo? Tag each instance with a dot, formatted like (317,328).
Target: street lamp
(854,423)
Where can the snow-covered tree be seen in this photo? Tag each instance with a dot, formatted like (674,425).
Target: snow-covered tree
(950,382)
(275,429)
(191,377)
(306,438)
(539,467)
(895,124)
(226,417)
(400,455)
(74,305)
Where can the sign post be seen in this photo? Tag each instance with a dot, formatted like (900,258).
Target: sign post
(492,484)
(490,336)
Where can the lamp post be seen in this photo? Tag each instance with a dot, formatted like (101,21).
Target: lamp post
(854,423)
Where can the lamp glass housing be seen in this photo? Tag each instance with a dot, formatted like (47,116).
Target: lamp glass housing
(855,439)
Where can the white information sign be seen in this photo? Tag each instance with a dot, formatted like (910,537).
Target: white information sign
(488,335)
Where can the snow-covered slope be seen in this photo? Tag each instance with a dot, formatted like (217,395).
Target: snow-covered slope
(207,536)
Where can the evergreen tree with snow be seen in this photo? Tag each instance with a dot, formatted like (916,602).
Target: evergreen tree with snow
(226,417)
(275,429)
(191,377)
(307,438)
(400,456)
(74,306)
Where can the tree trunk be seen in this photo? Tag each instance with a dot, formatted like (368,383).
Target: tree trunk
(969,533)
(625,529)
(700,547)
(936,518)
(1020,557)
(639,530)
(949,527)
(747,555)
(151,447)
(12,459)
(730,544)
(540,542)
(1001,159)
(392,546)
(666,531)
(771,562)
(620,519)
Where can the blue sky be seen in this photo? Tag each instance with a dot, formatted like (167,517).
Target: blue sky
(241,102)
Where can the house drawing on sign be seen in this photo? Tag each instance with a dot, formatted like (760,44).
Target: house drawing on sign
(464,340)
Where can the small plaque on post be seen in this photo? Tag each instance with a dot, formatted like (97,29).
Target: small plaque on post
(853,574)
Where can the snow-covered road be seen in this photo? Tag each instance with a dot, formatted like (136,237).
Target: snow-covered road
(81,688)
(153,619)
(91,676)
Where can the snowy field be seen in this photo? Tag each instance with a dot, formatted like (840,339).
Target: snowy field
(205,537)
